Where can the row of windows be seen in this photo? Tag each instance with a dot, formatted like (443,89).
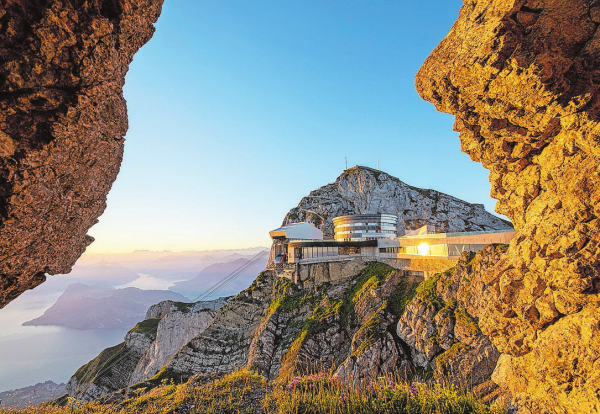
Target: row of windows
(434,249)
(389,249)
(353,239)
(365,224)
(365,231)
(325,251)
(359,229)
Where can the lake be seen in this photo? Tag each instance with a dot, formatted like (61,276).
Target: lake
(32,354)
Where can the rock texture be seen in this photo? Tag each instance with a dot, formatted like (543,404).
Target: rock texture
(62,122)
(440,325)
(175,329)
(275,327)
(362,190)
(112,368)
(522,78)
(147,347)
(282,329)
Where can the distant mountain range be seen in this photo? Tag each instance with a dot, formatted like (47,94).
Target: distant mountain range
(32,395)
(165,265)
(214,273)
(100,307)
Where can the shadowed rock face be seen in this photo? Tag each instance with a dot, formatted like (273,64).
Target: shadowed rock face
(62,122)
(522,79)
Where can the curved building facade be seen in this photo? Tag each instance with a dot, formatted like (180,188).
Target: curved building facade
(362,227)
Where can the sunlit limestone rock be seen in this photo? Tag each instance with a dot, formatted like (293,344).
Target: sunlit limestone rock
(174,330)
(112,368)
(62,122)
(440,326)
(522,78)
(168,326)
(362,190)
(281,329)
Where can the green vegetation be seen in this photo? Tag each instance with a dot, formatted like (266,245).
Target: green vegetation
(463,318)
(327,312)
(398,300)
(289,296)
(370,332)
(371,277)
(501,248)
(147,327)
(442,359)
(87,371)
(247,392)
(373,329)
(161,377)
(428,293)
(183,306)
(471,258)
(449,305)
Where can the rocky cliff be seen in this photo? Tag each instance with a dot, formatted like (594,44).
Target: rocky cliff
(522,78)
(346,324)
(112,368)
(62,122)
(175,329)
(362,190)
(281,329)
(441,325)
(147,346)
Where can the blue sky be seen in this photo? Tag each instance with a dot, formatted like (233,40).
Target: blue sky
(238,108)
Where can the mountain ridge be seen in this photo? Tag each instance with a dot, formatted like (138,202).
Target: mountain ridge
(362,190)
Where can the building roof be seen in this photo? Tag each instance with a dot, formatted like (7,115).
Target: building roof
(301,230)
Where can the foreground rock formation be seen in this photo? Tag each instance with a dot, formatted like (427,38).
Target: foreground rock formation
(363,190)
(522,78)
(62,122)
(274,327)
(281,329)
(147,347)
(359,326)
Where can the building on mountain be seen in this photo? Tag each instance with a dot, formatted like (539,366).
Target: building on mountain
(283,235)
(362,227)
(373,237)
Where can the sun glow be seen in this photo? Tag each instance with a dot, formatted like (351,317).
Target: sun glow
(423,249)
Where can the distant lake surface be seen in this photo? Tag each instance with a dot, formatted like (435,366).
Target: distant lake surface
(149,282)
(32,354)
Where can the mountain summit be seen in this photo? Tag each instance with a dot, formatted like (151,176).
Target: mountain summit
(364,190)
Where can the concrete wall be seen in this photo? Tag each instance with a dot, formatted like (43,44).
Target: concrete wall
(330,271)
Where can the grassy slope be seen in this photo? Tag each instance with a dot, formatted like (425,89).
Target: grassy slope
(246,392)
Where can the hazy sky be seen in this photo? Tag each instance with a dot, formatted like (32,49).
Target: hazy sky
(239,108)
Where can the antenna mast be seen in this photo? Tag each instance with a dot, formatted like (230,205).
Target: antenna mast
(346,158)
(378,162)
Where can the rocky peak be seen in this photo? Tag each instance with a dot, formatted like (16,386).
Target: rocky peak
(363,190)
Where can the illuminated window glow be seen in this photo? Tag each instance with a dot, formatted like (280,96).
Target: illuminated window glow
(423,249)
